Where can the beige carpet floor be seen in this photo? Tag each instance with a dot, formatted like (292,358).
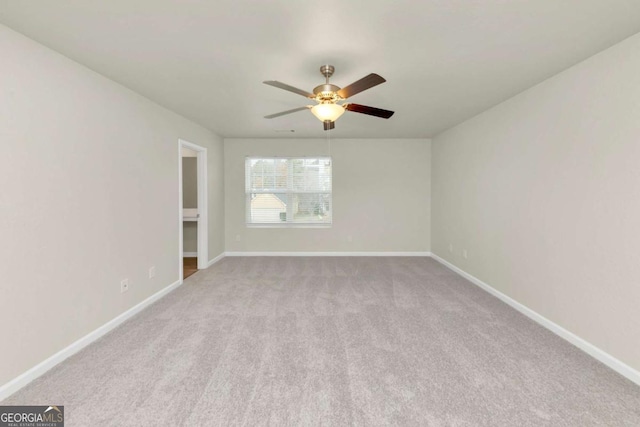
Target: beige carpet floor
(333,341)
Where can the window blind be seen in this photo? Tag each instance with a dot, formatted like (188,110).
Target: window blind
(288,191)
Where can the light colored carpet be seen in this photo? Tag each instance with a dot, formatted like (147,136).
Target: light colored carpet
(333,341)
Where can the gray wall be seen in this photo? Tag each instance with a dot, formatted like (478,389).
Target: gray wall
(190,236)
(97,201)
(380,196)
(190,182)
(190,200)
(543,191)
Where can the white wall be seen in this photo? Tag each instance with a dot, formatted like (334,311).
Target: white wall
(94,200)
(215,186)
(544,193)
(380,196)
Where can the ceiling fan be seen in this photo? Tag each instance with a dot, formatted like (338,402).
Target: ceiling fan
(327,96)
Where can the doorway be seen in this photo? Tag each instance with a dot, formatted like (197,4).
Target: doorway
(192,208)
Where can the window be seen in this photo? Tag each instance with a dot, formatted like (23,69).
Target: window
(285,191)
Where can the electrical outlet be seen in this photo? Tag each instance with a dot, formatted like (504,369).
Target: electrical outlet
(237,237)
(349,238)
(152,272)
(451,247)
(464,253)
(124,285)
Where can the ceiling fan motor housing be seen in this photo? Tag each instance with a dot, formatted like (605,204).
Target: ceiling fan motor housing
(327,93)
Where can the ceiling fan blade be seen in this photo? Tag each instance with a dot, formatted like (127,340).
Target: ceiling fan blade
(372,111)
(280,85)
(328,125)
(282,113)
(363,84)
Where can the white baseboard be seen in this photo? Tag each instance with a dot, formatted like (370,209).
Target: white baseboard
(216,259)
(426,254)
(189,254)
(20,381)
(598,354)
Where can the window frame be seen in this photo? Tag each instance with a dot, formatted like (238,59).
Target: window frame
(289,192)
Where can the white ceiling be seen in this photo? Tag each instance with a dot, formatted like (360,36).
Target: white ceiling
(444,60)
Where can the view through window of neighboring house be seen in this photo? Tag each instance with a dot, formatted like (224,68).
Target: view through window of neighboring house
(287,191)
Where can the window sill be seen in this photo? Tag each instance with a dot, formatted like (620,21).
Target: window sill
(288,225)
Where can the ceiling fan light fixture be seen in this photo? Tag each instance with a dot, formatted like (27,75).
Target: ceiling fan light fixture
(327,112)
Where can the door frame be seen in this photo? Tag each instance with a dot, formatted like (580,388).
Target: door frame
(203,203)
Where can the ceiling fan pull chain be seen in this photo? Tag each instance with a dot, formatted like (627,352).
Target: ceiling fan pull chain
(329,142)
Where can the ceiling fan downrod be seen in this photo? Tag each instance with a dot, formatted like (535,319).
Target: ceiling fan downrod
(327,71)
(327,92)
